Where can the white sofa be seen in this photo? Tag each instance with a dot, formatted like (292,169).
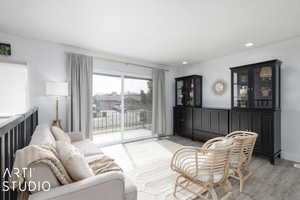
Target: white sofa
(107,186)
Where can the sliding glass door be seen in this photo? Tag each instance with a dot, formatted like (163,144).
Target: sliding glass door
(107,108)
(137,108)
(122,108)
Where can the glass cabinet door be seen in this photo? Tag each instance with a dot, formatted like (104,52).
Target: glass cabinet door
(240,88)
(180,92)
(262,87)
(189,92)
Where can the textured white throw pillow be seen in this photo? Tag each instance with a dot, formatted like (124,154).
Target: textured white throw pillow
(60,135)
(74,162)
(221,144)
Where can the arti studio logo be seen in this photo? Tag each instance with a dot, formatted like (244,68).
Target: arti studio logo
(30,186)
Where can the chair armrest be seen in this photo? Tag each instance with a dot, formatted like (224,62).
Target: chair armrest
(108,186)
(75,136)
(210,142)
(183,154)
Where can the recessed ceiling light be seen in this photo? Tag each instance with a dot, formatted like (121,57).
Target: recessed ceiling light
(249,44)
(185,62)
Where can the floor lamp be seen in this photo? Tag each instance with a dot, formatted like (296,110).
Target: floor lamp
(57,89)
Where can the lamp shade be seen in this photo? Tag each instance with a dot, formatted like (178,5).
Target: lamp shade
(57,89)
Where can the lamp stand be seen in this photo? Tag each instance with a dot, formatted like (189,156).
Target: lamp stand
(57,122)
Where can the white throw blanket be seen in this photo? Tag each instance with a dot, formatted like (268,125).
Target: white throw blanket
(36,154)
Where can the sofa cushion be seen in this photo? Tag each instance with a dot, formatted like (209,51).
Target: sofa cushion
(130,190)
(73,160)
(41,173)
(42,135)
(87,148)
(60,135)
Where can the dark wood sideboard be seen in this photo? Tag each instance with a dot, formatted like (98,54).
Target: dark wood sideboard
(255,106)
(201,124)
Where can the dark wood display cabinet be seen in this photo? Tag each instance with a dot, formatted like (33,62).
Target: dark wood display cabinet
(188,91)
(190,119)
(255,103)
(188,95)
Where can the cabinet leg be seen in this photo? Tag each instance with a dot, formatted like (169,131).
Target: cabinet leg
(279,156)
(272,160)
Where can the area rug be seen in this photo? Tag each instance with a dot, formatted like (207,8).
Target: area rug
(149,168)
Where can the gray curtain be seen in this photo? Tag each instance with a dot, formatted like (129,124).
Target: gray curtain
(80,77)
(159,102)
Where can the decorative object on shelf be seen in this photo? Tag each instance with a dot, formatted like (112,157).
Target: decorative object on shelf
(244,91)
(265,91)
(266,73)
(57,89)
(219,87)
(5,49)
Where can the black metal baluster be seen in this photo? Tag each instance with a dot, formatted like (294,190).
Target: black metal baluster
(2,164)
(7,161)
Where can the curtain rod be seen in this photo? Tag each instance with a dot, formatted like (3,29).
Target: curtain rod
(126,63)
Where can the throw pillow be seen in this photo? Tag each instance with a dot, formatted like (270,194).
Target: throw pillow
(222,144)
(60,135)
(74,162)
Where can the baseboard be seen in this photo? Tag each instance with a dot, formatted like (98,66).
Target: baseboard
(290,156)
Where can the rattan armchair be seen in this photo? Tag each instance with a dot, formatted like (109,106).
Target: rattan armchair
(204,167)
(242,152)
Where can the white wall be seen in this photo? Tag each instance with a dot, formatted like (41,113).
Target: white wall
(46,62)
(289,53)
(14,99)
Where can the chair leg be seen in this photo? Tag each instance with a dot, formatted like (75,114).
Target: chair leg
(227,186)
(242,182)
(241,177)
(228,190)
(175,187)
(213,193)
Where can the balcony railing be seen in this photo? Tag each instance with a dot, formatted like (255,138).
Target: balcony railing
(110,121)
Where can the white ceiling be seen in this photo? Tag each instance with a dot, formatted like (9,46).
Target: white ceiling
(160,31)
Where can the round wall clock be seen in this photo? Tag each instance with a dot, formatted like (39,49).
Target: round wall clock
(219,87)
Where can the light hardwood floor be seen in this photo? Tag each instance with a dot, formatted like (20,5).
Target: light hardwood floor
(147,164)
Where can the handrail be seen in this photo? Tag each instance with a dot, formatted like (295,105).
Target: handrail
(110,120)
(14,120)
